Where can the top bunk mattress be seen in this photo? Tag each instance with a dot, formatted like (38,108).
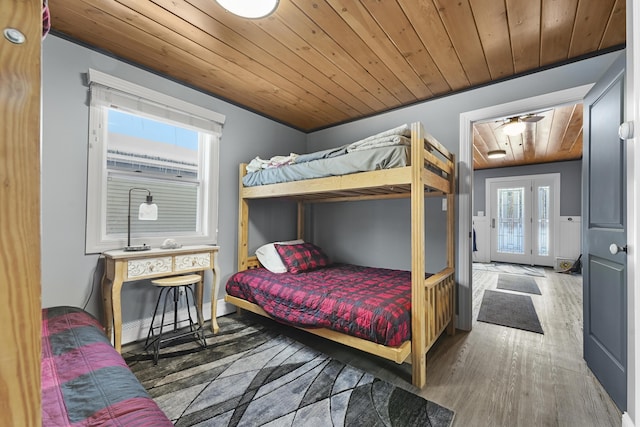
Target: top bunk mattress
(343,164)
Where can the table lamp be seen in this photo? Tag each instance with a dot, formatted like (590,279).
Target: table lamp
(147,211)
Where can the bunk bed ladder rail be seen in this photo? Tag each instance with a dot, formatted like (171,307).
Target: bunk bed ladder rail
(440,162)
(439,291)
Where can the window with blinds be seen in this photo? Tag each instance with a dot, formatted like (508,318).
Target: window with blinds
(144,139)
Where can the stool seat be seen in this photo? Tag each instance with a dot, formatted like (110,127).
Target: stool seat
(188,279)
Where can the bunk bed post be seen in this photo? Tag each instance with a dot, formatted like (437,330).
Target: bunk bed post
(300,220)
(418,326)
(451,246)
(243,224)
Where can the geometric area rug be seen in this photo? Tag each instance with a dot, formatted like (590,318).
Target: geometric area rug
(507,309)
(251,375)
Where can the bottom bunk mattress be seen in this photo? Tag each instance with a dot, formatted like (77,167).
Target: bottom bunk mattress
(365,302)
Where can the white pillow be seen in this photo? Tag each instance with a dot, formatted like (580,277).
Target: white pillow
(269,257)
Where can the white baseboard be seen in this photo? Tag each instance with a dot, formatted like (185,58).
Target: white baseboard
(626,420)
(137,330)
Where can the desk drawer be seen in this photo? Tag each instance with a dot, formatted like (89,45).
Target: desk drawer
(148,266)
(191,261)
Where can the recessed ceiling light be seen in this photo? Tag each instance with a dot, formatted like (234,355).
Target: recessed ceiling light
(252,9)
(496,154)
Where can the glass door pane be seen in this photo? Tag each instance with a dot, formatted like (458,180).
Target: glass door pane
(544,213)
(511,220)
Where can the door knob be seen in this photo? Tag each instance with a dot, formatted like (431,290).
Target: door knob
(625,131)
(614,249)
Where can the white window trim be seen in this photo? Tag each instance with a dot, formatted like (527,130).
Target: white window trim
(96,239)
(95,76)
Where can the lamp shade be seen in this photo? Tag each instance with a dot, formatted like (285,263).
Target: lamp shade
(252,9)
(148,212)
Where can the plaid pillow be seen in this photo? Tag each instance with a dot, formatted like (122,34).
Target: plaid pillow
(302,257)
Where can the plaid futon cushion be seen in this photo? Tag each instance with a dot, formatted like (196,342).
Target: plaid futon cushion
(302,257)
(85,381)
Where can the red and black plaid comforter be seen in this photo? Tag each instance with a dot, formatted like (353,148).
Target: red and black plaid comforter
(365,302)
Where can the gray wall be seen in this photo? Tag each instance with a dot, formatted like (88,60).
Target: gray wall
(69,276)
(570,183)
(350,233)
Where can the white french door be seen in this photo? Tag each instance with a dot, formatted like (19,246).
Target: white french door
(523,214)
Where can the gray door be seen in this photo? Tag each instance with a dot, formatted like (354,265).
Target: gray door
(604,235)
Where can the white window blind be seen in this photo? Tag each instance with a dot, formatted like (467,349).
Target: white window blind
(106,89)
(114,98)
(177,203)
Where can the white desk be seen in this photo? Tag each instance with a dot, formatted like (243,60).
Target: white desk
(122,266)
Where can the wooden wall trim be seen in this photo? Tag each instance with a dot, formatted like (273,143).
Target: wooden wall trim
(20,317)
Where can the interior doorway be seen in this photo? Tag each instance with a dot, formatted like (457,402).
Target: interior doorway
(466,183)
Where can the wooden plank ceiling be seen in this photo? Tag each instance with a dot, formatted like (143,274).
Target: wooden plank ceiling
(555,136)
(315,64)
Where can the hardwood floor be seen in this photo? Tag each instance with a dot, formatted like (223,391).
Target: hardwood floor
(499,376)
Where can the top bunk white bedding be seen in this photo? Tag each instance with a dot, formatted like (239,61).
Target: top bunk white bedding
(327,163)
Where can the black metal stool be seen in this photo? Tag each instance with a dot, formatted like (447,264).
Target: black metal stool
(172,286)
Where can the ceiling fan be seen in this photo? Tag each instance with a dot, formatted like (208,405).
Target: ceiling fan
(515,125)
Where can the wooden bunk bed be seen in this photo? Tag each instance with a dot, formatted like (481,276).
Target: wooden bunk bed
(431,173)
